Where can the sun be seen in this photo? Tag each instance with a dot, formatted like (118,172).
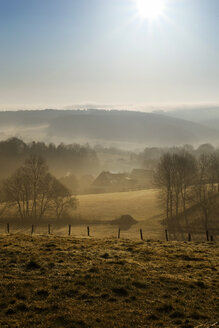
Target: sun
(150,9)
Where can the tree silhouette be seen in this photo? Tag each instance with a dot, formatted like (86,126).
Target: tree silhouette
(34,192)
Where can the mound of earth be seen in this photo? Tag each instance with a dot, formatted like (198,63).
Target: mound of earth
(124,222)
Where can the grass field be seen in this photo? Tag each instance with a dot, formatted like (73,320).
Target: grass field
(96,210)
(142,205)
(51,281)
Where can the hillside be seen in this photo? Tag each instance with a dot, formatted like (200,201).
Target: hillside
(121,128)
(91,283)
(98,210)
(208,116)
(142,205)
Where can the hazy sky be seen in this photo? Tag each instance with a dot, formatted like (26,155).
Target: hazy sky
(65,52)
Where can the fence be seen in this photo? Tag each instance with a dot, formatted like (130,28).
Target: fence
(109,231)
(192,234)
(99,231)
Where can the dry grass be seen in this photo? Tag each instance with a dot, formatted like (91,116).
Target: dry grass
(51,281)
(142,205)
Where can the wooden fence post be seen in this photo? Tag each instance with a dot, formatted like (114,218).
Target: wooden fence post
(166,234)
(212,238)
(69,230)
(189,236)
(141,234)
(119,233)
(207,235)
(49,231)
(88,231)
(32,229)
(8,228)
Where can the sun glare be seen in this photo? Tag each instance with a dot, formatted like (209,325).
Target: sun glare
(150,9)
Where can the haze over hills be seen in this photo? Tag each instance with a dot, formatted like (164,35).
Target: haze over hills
(208,116)
(125,129)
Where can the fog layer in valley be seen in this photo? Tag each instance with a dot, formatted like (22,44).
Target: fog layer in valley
(128,130)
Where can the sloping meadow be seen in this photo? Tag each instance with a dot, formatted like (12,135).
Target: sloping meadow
(54,281)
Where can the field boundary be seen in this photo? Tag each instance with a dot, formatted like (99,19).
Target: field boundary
(116,232)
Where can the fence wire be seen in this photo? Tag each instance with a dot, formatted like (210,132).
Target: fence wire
(136,232)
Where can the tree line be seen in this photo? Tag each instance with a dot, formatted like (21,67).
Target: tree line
(189,188)
(150,156)
(62,159)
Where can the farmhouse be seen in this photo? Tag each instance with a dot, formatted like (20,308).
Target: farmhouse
(111,182)
(115,182)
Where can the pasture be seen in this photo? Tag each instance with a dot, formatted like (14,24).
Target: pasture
(142,205)
(53,281)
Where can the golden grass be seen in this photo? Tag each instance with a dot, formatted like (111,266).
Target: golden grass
(142,205)
(51,281)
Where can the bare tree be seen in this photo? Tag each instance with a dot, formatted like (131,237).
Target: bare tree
(33,191)
(205,193)
(174,176)
(185,176)
(214,171)
(163,178)
(62,199)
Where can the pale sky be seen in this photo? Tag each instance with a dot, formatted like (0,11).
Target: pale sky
(58,53)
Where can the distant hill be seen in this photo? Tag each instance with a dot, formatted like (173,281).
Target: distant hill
(208,116)
(100,126)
